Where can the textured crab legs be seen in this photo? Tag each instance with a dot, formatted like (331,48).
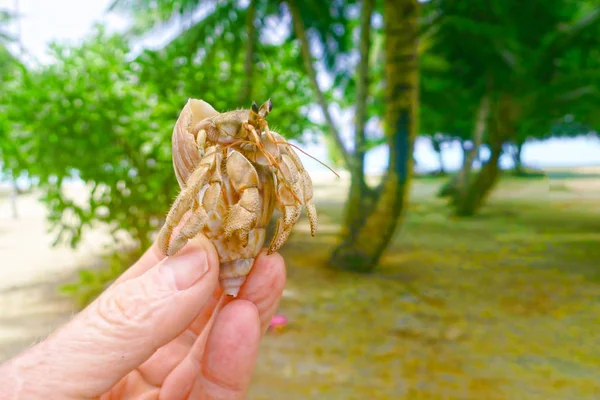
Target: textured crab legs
(232,147)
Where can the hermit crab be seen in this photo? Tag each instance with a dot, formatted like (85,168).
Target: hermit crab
(234,172)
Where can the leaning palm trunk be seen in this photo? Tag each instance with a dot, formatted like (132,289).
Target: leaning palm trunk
(362,250)
(359,193)
(468,201)
(300,31)
(517,158)
(473,193)
(457,185)
(480,127)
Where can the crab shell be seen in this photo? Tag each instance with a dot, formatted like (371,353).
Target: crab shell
(236,260)
(185,150)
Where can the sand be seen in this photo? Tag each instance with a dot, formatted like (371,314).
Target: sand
(31,270)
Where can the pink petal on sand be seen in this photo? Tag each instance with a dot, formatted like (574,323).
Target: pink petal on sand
(278,321)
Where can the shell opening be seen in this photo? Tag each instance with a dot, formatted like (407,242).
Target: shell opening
(201,110)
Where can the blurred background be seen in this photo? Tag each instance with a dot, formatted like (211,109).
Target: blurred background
(457,256)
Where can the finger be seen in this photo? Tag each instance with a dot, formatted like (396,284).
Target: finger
(264,286)
(179,383)
(230,355)
(165,367)
(130,321)
(218,300)
(151,257)
(160,365)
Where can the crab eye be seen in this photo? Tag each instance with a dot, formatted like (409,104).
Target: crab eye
(255,107)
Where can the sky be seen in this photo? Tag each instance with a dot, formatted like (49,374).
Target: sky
(44,21)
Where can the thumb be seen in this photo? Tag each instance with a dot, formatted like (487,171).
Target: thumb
(130,321)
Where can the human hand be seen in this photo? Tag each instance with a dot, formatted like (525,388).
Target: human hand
(162,330)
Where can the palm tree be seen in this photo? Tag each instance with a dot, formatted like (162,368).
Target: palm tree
(525,66)
(372,214)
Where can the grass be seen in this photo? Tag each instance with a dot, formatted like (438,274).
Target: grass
(500,306)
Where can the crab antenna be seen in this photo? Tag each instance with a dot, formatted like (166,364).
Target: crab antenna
(314,158)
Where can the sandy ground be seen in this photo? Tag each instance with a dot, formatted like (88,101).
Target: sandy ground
(31,270)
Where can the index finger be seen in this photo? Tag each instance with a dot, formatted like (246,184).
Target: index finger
(231,351)
(152,256)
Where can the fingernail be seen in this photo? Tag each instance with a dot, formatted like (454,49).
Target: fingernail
(188,268)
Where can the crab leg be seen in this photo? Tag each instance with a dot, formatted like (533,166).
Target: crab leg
(271,157)
(188,200)
(190,228)
(290,207)
(243,216)
(306,182)
(307,190)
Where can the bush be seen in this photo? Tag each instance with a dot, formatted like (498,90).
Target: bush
(95,116)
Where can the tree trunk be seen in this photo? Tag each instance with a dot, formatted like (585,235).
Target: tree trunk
(459,183)
(437,147)
(359,191)
(300,32)
(479,129)
(502,128)
(519,170)
(246,93)
(468,201)
(364,249)
(465,153)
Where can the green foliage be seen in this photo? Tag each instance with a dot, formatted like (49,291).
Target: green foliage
(98,116)
(444,109)
(94,115)
(333,29)
(344,88)
(88,117)
(220,34)
(542,54)
(327,21)
(153,12)
(538,63)
(206,62)
(11,72)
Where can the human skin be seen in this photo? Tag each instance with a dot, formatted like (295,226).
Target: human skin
(163,331)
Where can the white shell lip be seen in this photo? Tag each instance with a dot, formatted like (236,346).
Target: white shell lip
(201,110)
(185,152)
